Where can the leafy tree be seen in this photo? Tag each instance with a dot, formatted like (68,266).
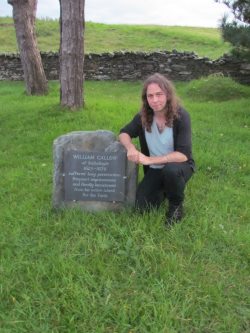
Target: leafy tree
(71,53)
(24,14)
(237,32)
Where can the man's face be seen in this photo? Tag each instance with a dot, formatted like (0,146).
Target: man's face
(156,97)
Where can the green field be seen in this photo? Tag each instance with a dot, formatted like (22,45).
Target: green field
(101,38)
(72,271)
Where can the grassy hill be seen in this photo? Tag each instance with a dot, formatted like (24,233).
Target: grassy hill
(113,37)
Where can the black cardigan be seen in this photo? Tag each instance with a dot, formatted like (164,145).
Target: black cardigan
(181,132)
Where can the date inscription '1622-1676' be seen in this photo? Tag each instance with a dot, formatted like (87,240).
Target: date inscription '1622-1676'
(93,176)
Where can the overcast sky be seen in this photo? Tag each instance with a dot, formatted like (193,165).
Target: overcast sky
(203,13)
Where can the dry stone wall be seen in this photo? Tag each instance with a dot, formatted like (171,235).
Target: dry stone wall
(131,66)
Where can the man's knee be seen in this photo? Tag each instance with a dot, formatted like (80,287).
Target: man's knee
(171,170)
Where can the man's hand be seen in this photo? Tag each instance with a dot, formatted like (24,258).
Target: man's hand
(133,154)
(137,157)
(143,159)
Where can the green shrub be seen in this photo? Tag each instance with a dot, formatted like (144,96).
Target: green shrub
(216,88)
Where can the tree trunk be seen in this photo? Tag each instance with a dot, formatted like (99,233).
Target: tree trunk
(24,14)
(71,53)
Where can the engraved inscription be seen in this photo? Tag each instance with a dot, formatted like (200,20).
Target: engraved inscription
(92,176)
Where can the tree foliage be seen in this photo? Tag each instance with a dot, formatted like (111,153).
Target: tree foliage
(239,8)
(237,32)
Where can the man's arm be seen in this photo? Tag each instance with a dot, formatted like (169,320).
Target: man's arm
(132,152)
(175,156)
(135,156)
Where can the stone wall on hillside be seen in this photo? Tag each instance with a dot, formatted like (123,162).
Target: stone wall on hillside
(131,66)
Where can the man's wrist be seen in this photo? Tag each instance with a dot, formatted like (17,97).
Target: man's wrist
(130,146)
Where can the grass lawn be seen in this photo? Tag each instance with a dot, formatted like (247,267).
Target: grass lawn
(72,271)
(101,38)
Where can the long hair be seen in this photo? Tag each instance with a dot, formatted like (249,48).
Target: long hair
(172,105)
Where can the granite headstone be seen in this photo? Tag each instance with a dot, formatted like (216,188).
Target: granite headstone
(91,171)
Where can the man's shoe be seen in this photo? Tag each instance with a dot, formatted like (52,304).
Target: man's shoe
(174,215)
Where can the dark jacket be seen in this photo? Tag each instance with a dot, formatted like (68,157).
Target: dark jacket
(181,132)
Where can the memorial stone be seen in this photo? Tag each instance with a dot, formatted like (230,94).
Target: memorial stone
(91,171)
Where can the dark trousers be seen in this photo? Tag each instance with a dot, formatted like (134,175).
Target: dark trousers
(158,184)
